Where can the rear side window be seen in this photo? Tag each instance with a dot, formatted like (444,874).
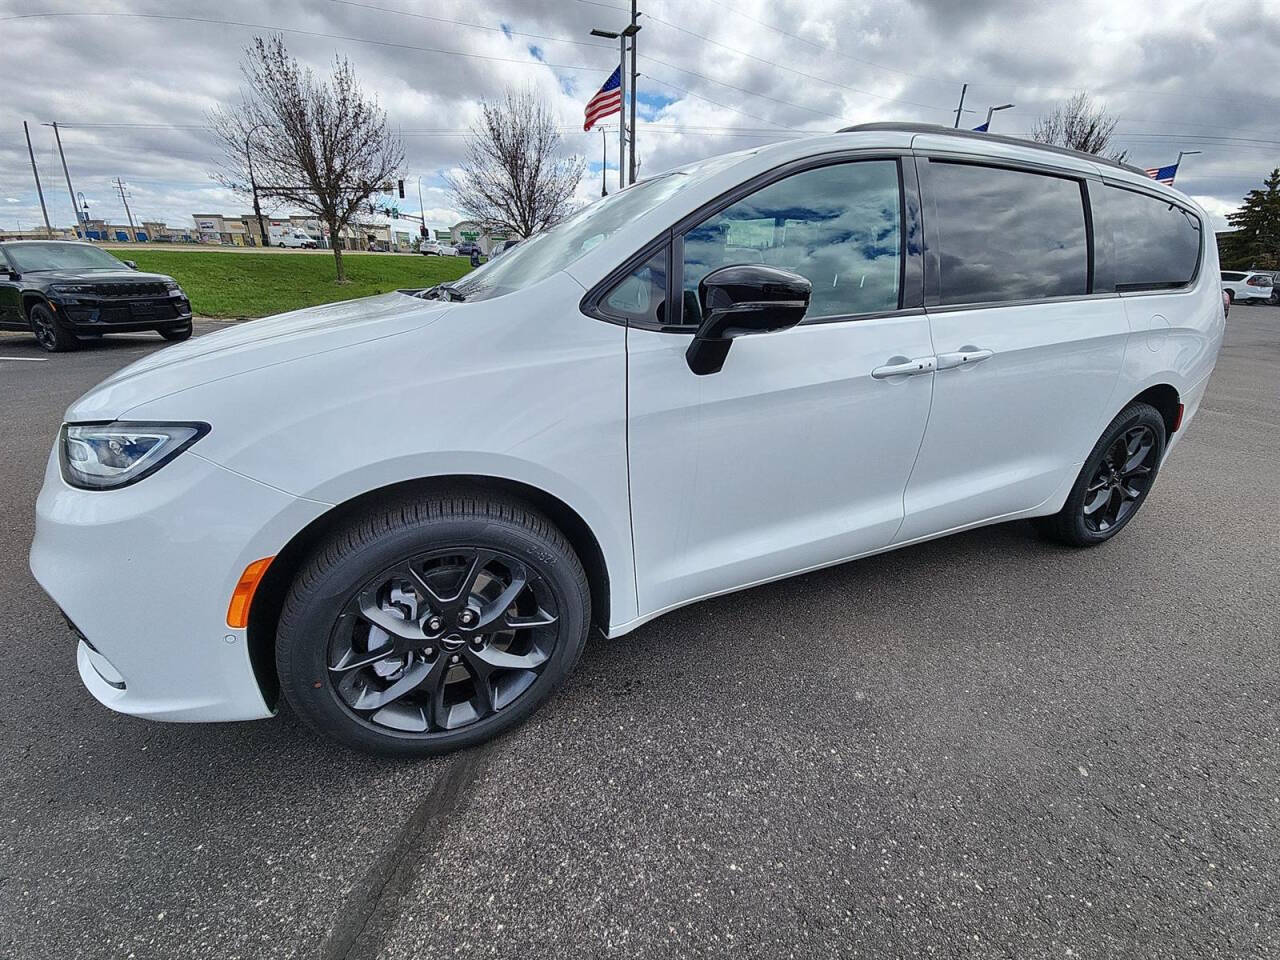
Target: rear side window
(1005,235)
(1227,275)
(1154,244)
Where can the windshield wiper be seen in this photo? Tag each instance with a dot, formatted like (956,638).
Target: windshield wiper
(444,291)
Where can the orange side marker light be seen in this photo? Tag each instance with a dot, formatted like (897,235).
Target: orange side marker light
(242,595)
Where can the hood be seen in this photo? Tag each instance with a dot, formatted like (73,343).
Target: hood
(123,275)
(252,345)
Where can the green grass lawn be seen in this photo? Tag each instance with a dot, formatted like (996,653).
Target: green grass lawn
(225,284)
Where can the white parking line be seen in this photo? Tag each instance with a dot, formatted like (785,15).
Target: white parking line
(28,359)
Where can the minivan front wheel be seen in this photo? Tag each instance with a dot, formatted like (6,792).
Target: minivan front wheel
(432,625)
(1115,479)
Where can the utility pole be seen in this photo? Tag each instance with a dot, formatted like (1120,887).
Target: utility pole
(75,211)
(632,31)
(604,163)
(253,185)
(622,110)
(36,173)
(960,108)
(127,213)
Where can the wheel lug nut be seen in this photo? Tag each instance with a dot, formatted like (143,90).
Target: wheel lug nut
(435,623)
(429,651)
(454,658)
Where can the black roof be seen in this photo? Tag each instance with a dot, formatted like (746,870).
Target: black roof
(999,138)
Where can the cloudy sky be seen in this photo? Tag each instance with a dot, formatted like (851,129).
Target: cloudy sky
(130,82)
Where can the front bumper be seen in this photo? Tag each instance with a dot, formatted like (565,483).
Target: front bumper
(145,574)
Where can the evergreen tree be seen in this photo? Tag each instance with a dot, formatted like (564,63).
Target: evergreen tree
(1255,241)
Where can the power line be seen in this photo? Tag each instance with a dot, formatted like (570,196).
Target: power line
(506,31)
(307,33)
(778,66)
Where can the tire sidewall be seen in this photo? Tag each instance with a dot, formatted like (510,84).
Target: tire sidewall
(63,339)
(312,609)
(1139,414)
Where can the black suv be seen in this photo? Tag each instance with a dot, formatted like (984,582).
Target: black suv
(62,290)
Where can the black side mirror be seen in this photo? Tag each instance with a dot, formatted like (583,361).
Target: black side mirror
(131,265)
(740,300)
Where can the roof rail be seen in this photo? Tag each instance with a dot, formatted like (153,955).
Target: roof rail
(999,138)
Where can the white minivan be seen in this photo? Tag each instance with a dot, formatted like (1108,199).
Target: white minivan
(405,514)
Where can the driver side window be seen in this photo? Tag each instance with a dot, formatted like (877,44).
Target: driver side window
(838,226)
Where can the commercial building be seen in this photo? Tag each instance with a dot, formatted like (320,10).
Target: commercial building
(469,231)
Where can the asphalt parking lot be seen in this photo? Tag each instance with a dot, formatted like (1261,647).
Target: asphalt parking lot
(984,746)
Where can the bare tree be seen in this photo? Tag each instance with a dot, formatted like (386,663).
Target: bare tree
(316,144)
(1081,125)
(513,176)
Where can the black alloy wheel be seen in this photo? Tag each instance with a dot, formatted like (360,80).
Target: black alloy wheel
(1114,481)
(442,640)
(49,331)
(1121,480)
(432,625)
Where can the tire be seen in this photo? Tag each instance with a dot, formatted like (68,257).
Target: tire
(1231,297)
(1111,488)
(176,334)
(49,331)
(422,568)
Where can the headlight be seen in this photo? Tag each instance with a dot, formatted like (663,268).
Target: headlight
(172,286)
(104,456)
(73,288)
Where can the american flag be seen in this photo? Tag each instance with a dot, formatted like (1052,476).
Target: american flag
(608,99)
(1163,174)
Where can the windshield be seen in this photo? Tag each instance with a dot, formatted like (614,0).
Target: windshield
(34,257)
(554,249)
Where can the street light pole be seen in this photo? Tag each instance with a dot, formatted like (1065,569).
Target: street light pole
(631,31)
(991,110)
(253,184)
(66,173)
(604,163)
(36,173)
(1177,165)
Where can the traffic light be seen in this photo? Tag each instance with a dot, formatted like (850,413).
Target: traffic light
(400,187)
(423,231)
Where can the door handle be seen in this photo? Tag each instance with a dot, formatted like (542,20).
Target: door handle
(963,357)
(902,367)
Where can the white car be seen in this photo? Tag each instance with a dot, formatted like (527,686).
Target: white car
(1247,285)
(434,248)
(745,369)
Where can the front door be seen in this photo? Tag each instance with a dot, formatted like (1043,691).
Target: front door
(1028,357)
(794,455)
(10,298)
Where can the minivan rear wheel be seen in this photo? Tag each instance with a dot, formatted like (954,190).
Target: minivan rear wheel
(432,625)
(1114,481)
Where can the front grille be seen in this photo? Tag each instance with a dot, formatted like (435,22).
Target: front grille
(129,290)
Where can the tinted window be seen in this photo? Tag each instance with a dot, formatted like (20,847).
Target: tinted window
(1232,276)
(1005,234)
(837,226)
(640,297)
(1155,244)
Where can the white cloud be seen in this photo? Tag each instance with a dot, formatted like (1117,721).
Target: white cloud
(715,76)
